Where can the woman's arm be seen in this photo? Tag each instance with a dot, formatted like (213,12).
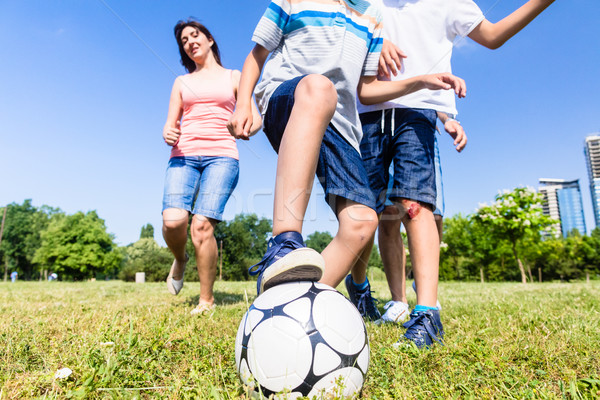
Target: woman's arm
(171,130)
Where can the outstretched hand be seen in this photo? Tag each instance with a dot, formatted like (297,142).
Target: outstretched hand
(445,81)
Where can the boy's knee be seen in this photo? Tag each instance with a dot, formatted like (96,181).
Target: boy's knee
(363,222)
(411,209)
(389,227)
(318,91)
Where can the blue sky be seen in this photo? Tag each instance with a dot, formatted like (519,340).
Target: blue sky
(84,90)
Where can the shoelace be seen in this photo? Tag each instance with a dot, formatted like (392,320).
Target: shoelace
(424,320)
(272,250)
(363,304)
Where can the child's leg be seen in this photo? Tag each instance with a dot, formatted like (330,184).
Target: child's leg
(357,225)
(298,114)
(424,245)
(391,248)
(359,270)
(315,100)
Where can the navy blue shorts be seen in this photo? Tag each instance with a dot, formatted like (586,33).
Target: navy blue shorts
(405,136)
(340,169)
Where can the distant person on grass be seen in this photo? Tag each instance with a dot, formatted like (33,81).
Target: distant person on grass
(402,130)
(322,54)
(13,276)
(203,168)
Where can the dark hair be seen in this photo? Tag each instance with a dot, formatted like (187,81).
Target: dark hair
(186,61)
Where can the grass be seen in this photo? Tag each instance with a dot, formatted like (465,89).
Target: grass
(126,340)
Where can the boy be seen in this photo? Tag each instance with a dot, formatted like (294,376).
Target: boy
(425,29)
(323,54)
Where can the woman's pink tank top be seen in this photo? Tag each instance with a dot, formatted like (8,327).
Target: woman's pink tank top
(207,106)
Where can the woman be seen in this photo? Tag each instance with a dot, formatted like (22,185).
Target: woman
(203,168)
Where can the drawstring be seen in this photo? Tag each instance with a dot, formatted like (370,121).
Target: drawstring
(393,110)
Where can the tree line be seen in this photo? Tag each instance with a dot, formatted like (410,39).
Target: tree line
(508,240)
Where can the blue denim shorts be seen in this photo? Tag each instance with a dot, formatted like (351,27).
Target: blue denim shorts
(200,184)
(405,137)
(340,169)
(440,205)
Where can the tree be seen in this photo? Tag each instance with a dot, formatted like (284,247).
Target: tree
(77,246)
(318,240)
(244,243)
(21,237)
(146,256)
(513,216)
(147,232)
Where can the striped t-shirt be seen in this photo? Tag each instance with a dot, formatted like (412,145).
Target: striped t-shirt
(340,40)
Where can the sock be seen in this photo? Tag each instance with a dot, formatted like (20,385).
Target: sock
(361,287)
(421,308)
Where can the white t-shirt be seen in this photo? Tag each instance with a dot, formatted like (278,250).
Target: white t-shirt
(425,31)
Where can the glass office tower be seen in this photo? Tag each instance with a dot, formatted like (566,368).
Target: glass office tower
(562,201)
(592,157)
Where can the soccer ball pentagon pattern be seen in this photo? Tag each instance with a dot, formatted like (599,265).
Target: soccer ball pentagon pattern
(302,338)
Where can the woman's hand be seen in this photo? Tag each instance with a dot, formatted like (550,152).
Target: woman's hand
(171,134)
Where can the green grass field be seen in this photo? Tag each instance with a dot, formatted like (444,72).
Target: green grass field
(126,340)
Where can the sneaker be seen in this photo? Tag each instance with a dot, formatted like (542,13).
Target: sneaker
(423,329)
(363,300)
(397,311)
(203,308)
(174,286)
(437,303)
(287,260)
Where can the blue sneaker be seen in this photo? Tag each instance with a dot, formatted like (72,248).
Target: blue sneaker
(287,260)
(423,329)
(437,303)
(362,300)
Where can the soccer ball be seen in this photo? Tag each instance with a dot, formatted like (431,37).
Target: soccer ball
(303,339)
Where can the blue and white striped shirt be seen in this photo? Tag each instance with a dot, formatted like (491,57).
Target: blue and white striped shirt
(340,40)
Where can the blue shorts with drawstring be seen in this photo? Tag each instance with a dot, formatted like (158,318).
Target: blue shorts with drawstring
(340,169)
(404,136)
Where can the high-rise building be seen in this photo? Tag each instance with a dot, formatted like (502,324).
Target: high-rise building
(562,201)
(592,157)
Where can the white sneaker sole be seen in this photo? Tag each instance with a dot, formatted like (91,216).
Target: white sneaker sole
(303,264)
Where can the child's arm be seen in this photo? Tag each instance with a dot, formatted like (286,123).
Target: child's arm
(454,129)
(242,121)
(171,130)
(372,91)
(390,59)
(256,117)
(494,35)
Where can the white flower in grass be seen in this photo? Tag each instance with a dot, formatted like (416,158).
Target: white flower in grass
(107,344)
(63,373)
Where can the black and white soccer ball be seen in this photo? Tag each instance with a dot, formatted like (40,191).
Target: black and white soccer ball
(303,339)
